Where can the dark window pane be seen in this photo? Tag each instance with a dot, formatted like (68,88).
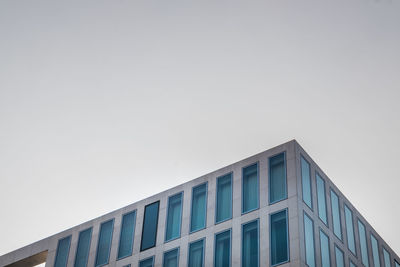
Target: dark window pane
(127,235)
(82,251)
(196,254)
(104,243)
(199,207)
(171,258)
(277,178)
(279,238)
(224,198)
(174,217)
(250,244)
(147,262)
(222,254)
(150,222)
(250,188)
(62,252)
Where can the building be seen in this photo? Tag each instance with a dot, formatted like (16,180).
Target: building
(274,208)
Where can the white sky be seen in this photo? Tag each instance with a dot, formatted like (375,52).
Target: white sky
(103,103)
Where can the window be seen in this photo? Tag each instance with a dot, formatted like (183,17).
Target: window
(222,254)
(174,215)
(396,264)
(277,178)
(306,182)
(352,264)
(199,207)
(363,243)
(250,188)
(325,252)
(339,257)
(321,198)
(126,235)
(250,244)
(82,250)
(309,240)
(196,254)
(224,198)
(62,252)
(104,243)
(386,258)
(349,229)
(375,251)
(337,227)
(150,222)
(149,262)
(171,258)
(279,243)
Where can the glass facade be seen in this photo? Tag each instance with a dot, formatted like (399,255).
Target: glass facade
(250,242)
(62,252)
(309,240)
(363,243)
(222,253)
(324,248)
(224,198)
(104,243)
(386,258)
(321,198)
(279,243)
(150,222)
(174,217)
(199,207)
(375,251)
(83,247)
(277,178)
(171,258)
(196,254)
(306,182)
(337,227)
(339,257)
(147,262)
(127,235)
(250,188)
(348,214)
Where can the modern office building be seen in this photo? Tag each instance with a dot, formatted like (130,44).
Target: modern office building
(274,208)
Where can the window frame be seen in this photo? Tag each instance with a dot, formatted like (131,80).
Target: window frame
(144,219)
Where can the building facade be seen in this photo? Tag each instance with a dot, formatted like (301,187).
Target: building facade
(274,208)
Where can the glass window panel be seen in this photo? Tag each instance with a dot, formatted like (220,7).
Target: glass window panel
(222,254)
(174,216)
(150,221)
(171,258)
(196,254)
(352,264)
(82,250)
(339,257)
(321,198)
(147,262)
(309,240)
(104,243)
(325,252)
(337,227)
(279,237)
(386,258)
(396,264)
(348,214)
(306,182)
(62,252)
(277,178)
(127,235)
(224,198)
(250,188)
(375,251)
(250,244)
(199,207)
(363,243)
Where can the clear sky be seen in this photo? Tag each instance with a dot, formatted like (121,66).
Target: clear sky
(103,103)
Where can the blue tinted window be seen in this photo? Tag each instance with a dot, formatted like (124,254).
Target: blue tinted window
(127,235)
(352,264)
(309,240)
(321,198)
(82,250)
(224,198)
(306,182)
(250,188)
(277,178)
(337,227)
(339,257)
(279,237)
(363,243)
(222,254)
(250,244)
(147,262)
(62,252)
(375,251)
(196,254)
(171,258)
(199,207)
(349,229)
(174,216)
(325,252)
(104,243)
(386,258)
(150,222)
(396,264)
